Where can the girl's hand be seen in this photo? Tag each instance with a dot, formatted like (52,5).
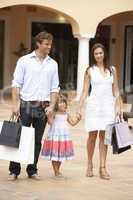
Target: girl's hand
(49,110)
(74,120)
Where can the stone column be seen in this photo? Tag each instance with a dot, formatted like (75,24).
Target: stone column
(83,61)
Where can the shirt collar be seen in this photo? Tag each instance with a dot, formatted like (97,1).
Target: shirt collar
(33,55)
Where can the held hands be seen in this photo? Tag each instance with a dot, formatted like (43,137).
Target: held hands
(79,112)
(49,110)
(73,120)
(78,116)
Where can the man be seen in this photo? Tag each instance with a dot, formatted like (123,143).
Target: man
(35,88)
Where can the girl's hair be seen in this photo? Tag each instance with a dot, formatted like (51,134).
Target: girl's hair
(61,99)
(105,60)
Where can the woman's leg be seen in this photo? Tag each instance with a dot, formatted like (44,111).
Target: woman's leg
(103,156)
(90,151)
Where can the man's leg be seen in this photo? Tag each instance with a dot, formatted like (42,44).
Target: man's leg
(26,120)
(14,168)
(39,123)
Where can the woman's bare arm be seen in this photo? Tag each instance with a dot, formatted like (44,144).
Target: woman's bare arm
(116,92)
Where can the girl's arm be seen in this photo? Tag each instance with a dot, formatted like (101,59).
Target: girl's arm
(85,89)
(51,118)
(74,120)
(116,93)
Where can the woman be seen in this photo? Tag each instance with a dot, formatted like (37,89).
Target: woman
(103,104)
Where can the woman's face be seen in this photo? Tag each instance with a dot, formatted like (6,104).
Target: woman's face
(99,55)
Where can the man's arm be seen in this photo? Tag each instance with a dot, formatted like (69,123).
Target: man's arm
(16,101)
(17,84)
(54,91)
(53,99)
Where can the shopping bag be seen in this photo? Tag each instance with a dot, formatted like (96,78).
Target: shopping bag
(10,133)
(123,133)
(25,153)
(108,134)
(114,143)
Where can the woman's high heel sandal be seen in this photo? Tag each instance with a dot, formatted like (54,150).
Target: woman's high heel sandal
(103,173)
(89,172)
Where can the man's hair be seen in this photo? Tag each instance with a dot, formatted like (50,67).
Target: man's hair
(43,36)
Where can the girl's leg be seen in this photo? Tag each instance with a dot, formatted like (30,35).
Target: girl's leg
(55,167)
(59,164)
(90,151)
(103,155)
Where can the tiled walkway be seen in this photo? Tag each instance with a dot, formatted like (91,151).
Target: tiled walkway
(75,185)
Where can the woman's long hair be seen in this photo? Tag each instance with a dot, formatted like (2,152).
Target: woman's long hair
(105,60)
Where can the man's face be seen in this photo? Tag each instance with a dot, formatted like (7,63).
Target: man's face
(45,46)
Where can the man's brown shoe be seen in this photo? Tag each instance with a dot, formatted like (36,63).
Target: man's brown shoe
(12,177)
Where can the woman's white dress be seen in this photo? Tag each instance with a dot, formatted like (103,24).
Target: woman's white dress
(100,105)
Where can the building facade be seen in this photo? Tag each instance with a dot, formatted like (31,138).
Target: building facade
(76,26)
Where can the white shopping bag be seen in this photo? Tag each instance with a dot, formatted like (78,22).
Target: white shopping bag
(25,153)
(123,134)
(108,134)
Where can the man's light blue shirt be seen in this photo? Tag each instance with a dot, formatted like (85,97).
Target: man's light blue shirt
(36,80)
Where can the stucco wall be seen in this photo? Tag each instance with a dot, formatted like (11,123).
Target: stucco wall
(18,29)
(86,13)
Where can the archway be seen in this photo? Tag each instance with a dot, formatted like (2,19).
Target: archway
(28,20)
(116,33)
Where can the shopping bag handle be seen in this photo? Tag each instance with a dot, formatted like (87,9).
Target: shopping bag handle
(15,118)
(119,119)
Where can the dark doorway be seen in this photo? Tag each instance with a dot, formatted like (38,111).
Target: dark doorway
(2,34)
(128,60)
(64,51)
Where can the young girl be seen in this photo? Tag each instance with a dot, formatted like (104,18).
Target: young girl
(58,145)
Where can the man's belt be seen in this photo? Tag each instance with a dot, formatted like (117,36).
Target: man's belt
(39,103)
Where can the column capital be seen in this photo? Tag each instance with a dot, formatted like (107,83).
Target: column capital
(84,36)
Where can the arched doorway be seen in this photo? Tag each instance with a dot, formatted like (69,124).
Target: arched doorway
(116,33)
(64,51)
(23,23)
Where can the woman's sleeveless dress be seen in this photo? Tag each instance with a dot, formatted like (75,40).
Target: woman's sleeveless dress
(58,144)
(100,105)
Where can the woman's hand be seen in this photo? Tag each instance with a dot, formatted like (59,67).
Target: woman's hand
(119,113)
(79,111)
(79,116)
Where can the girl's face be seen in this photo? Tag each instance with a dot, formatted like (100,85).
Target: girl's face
(62,106)
(99,55)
